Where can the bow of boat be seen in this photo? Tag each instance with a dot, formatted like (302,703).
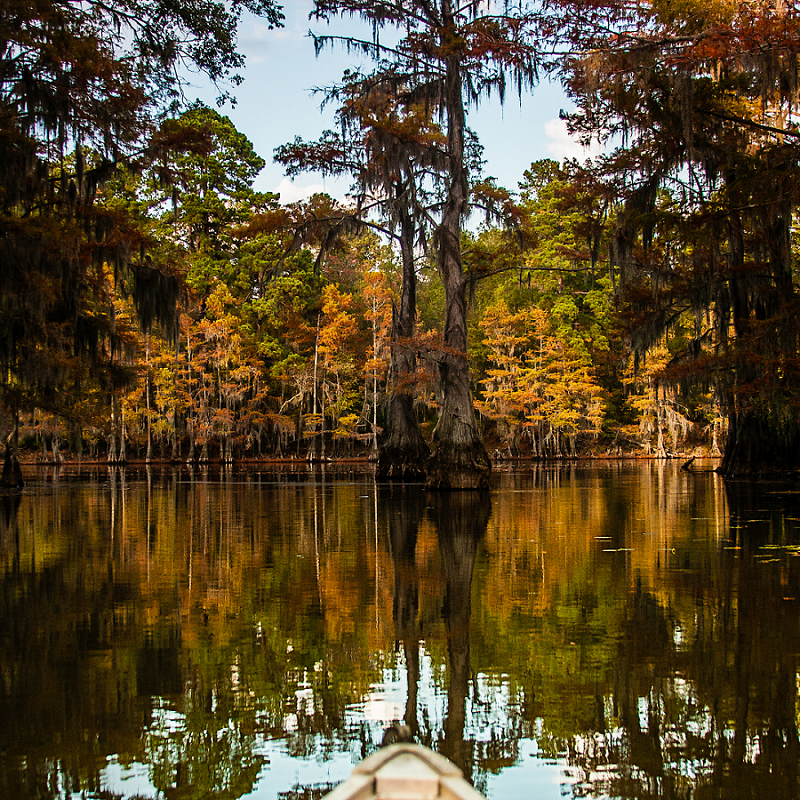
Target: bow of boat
(405,772)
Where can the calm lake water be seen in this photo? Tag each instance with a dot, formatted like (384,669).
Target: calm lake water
(624,630)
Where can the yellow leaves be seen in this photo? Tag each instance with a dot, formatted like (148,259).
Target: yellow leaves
(346,426)
(280,422)
(219,301)
(642,383)
(565,394)
(378,297)
(312,423)
(505,331)
(695,14)
(339,325)
(538,377)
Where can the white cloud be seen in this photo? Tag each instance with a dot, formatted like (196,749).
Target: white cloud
(562,145)
(257,41)
(255,33)
(292,192)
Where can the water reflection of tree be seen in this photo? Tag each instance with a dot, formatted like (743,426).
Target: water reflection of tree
(460,519)
(152,620)
(56,621)
(702,698)
(155,619)
(406,506)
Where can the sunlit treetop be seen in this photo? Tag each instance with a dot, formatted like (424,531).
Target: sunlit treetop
(724,61)
(493,43)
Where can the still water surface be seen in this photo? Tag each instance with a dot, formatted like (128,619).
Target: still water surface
(623,631)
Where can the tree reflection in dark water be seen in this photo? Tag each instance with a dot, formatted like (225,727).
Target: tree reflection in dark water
(406,506)
(639,628)
(762,643)
(460,519)
(9,532)
(706,703)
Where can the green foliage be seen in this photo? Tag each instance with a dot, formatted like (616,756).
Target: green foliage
(116,213)
(545,321)
(82,87)
(203,195)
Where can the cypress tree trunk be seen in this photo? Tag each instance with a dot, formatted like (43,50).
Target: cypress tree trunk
(458,459)
(12,472)
(175,452)
(77,435)
(761,402)
(403,450)
(149,453)
(314,452)
(190,459)
(661,450)
(112,442)
(123,436)
(761,440)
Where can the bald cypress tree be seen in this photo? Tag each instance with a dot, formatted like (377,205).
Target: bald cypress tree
(448,56)
(705,97)
(387,145)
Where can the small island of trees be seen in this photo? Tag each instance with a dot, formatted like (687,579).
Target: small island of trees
(155,306)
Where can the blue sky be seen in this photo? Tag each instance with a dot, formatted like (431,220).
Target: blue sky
(276,103)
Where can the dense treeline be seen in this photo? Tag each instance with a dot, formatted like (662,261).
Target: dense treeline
(154,305)
(283,354)
(86,91)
